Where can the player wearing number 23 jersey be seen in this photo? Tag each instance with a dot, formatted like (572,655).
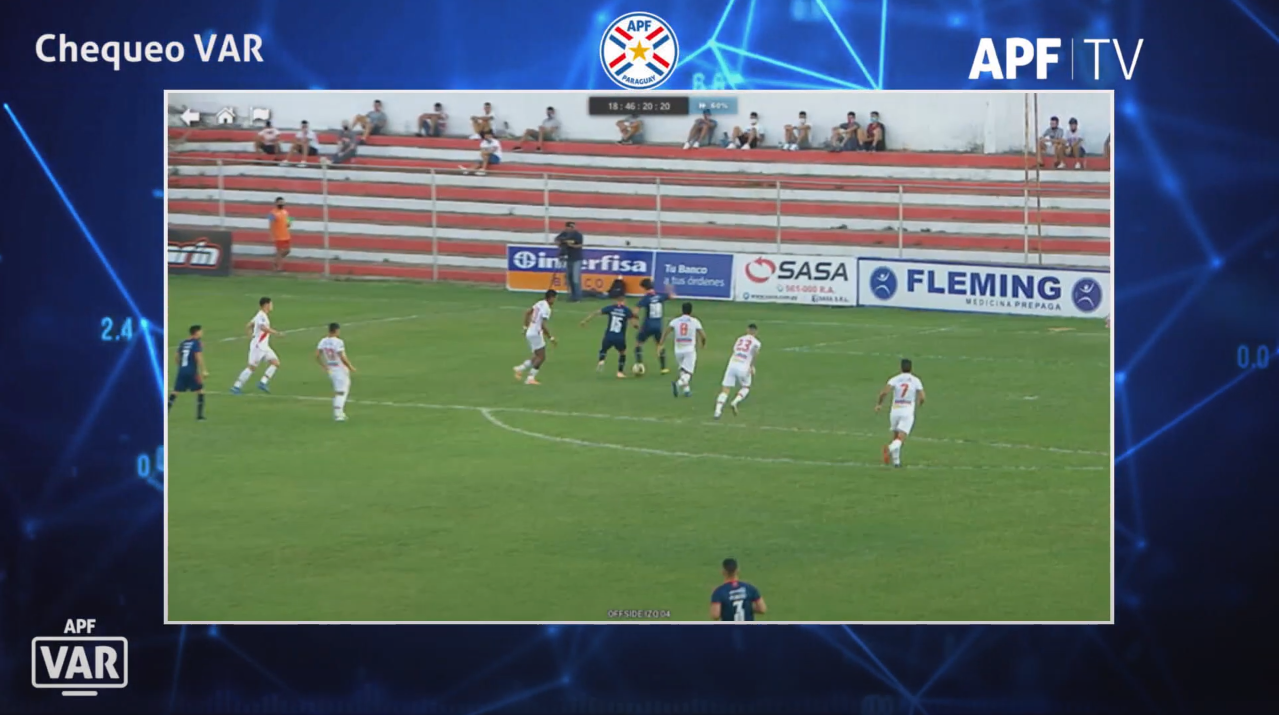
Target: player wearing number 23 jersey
(907,392)
(618,316)
(740,370)
(735,600)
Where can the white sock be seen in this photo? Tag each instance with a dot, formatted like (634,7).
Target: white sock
(244,377)
(270,372)
(684,379)
(719,403)
(337,404)
(895,450)
(741,395)
(531,374)
(524,365)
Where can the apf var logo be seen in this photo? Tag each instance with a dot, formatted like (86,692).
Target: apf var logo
(78,663)
(639,50)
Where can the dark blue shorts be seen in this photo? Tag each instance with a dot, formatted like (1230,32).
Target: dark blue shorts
(649,330)
(613,342)
(187,382)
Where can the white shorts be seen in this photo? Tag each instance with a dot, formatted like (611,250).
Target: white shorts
(736,374)
(341,379)
(536,341)
(901,421)
(257,355)
(687,360)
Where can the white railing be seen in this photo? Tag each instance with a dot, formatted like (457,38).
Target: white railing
(665,231)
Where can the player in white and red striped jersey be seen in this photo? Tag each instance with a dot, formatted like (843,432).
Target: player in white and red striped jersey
(260,332)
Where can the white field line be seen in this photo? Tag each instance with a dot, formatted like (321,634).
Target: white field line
(892,336)
(716,425)
(945,358)
(290,331)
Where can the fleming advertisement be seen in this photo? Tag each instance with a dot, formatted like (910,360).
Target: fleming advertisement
(975,288)
(813,280)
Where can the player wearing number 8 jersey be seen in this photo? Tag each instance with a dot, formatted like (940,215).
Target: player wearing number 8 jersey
(908,393)
(331,354)
(614,333)
(689,336)
(741,368)
(735,600)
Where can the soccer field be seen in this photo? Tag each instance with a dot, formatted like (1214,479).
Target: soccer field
(455,492)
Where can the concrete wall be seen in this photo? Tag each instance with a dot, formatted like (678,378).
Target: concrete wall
(990,122)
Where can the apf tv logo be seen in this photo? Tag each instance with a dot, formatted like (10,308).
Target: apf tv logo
(77,663)
(639,50)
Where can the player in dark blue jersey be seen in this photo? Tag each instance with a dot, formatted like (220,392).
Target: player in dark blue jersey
(614,333)
(735,600)
(653,305)
(191,370)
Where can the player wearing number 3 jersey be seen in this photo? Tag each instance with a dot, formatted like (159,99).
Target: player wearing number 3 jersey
(736,600)
(908,393)
(740,370)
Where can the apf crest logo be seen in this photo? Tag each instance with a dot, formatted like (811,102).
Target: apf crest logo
(1086,295)
(639,51)
(883,283)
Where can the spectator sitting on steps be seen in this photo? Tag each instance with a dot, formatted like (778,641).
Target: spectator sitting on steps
(490,154)
(872,137)
(348,144)
(1074,145)
(305,143)
(482,122)
(630,126)
(432,123)
(548,130)
(844,136)
(1052,143)
(749,138)
(373,123)
(797,134)
(267,141)
(703,130)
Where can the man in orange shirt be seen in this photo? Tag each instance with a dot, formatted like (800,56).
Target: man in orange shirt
(280,222)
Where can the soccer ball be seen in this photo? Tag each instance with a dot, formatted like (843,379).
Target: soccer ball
(638,370)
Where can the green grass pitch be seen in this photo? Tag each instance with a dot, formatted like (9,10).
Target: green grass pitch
(455,492)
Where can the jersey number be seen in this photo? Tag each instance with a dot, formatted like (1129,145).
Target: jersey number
(615,324)
(739,610)
(683,329)
(186,355)
(330,356)
(905,387)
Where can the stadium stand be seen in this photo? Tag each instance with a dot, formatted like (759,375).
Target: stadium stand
(387,216)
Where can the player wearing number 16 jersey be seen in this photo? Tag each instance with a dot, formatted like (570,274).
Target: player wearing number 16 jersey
(614,333)
(741,368)
(908,393)
(331,354)
(689,336)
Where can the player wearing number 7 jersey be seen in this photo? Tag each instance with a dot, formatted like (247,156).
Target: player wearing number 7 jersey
(331,354)
(908,393)
(735,600)
(614,333)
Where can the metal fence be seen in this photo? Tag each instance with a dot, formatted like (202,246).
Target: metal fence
(659,211)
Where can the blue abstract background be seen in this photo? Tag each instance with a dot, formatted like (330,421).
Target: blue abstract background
(81,484)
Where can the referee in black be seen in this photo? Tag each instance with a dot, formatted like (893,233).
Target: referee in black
(570,243)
